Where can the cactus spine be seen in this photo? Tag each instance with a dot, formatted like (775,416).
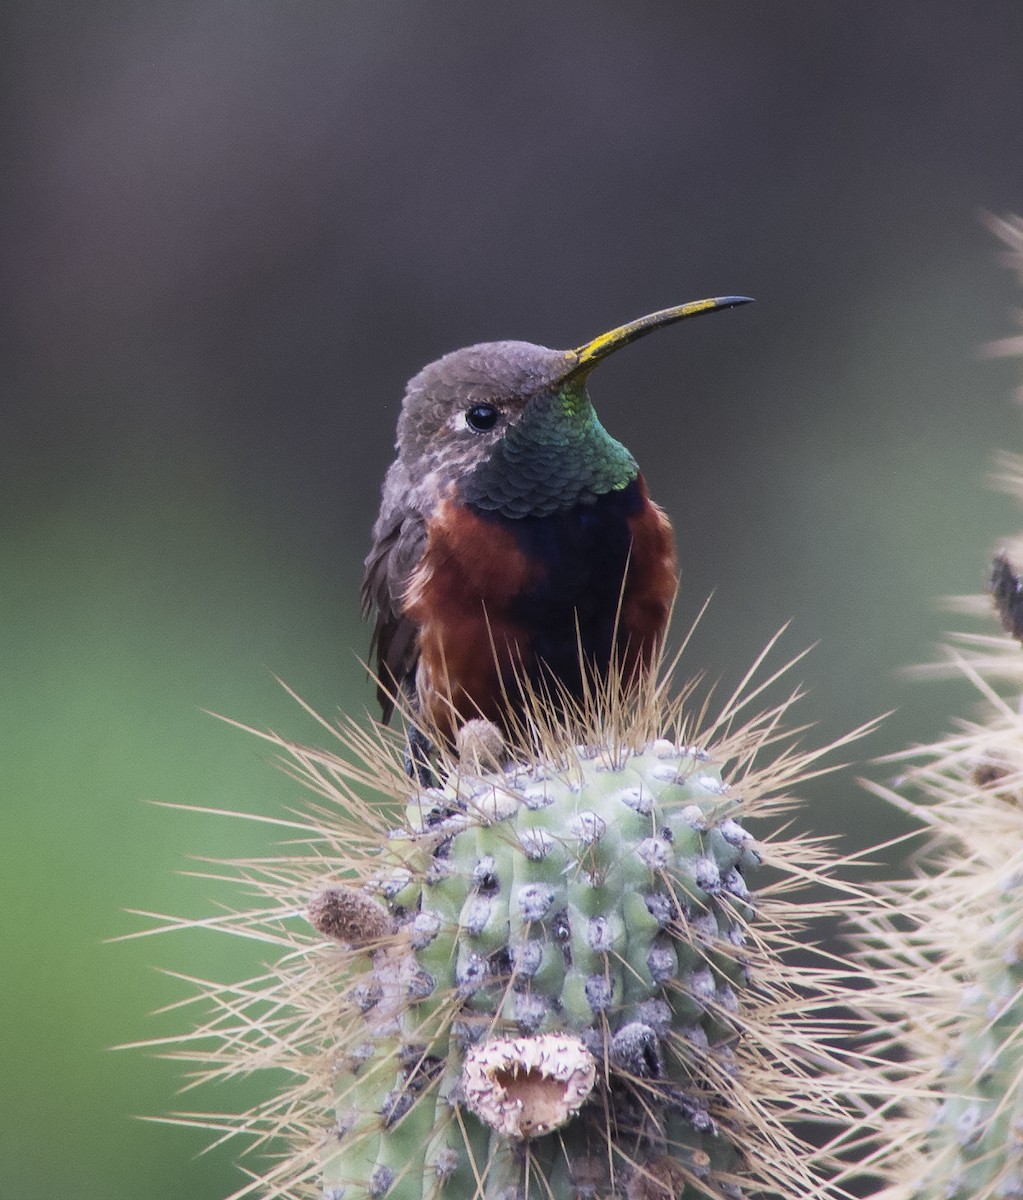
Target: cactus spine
(558,976)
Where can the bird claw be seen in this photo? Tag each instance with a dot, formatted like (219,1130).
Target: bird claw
(417,758)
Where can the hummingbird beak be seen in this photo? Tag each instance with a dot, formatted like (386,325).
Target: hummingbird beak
(583,359)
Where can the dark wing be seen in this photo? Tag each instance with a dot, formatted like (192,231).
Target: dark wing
(399,539)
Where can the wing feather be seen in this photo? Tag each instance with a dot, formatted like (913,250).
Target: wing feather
(399,541)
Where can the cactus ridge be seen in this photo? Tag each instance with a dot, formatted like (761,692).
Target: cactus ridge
(553,977)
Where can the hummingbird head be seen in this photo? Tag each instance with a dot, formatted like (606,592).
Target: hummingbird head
(510,425)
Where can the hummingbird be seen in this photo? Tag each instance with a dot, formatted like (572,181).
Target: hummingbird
(516,538)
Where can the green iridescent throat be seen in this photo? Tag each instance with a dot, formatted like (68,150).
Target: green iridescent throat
(556,456)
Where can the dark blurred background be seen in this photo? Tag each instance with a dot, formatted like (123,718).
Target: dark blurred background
(233,230)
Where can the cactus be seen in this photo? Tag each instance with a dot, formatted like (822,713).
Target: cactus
(949,966)
(557,972)
(950,973)
(566,954)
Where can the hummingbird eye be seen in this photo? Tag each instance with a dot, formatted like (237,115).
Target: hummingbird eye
(481,417)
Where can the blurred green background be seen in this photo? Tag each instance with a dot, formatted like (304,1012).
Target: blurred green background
(233,230)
